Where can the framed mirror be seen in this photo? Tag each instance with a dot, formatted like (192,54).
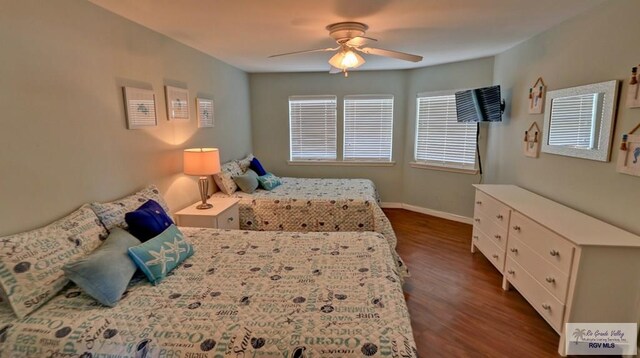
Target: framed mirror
(578,121)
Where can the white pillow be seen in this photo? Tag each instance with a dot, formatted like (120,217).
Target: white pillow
(224,179)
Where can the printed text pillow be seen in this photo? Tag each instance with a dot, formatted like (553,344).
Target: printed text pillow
(224,179)
(31,262)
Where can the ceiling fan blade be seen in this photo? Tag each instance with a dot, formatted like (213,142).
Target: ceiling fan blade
(305,51)
(390,53)
(334,70)
(359,41)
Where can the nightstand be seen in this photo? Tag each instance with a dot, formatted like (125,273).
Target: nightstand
(223,215)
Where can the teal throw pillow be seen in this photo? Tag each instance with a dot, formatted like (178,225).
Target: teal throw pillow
(247,182)
(269,181)
(158,256)
(105,273)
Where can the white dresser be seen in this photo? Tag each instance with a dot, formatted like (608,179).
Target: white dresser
(569,266)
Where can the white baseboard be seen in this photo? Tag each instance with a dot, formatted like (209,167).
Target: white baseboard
(432,212)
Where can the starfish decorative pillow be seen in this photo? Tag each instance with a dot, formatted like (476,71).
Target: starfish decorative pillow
(158,256)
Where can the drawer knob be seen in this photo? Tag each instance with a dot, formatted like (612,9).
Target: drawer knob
(477,220)
(230,219)
(546,307)
(497,237)
(516,228)
(514,250)
(475,237)
(479,202)
(554,253)
(511,272)
(550,279)
(494,256)
(499,216)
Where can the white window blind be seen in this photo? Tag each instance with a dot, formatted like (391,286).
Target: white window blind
(312,127)
(440,138)
(573,121)
(368,127)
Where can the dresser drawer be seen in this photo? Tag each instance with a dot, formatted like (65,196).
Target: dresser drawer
(490,250)
(497,233)
(492,209)
(550,246)
(548,306)
(549,277)
(229,219)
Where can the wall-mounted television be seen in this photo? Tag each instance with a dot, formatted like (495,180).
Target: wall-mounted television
(480,105)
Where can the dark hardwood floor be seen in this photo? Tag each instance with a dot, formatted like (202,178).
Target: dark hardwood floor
(457,306)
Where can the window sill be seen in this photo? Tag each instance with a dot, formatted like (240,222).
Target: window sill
(444,168)
(341,163)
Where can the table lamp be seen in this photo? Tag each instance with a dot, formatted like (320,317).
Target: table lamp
(202,162)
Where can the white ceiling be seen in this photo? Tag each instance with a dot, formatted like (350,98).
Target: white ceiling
(244,33)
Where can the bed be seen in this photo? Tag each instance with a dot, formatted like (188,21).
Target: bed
(242,293)
(315,205)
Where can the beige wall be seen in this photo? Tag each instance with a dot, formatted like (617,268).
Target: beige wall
(433,189)
(597,46)
(270,122)
(444,191)
(63,139)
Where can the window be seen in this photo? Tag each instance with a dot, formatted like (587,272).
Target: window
(312,127)
(573,121)
(368,127)
(440,138)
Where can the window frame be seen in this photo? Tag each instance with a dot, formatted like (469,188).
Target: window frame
(437,165)
(345,98)
(335,144)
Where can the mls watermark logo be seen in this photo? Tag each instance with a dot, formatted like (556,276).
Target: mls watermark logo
(601,338)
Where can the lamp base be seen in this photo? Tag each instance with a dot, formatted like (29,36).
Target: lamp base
(203,184)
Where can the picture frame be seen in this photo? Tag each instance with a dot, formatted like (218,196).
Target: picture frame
(531,143)
(177,103)
(140,108)
(537,95)
(633,90)
(205,113)
(629,155)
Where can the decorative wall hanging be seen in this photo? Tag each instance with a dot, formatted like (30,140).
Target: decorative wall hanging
(531,143)
(633,95)
(629,153)
(140,107)
(204,109)
(536,97)
(177,103)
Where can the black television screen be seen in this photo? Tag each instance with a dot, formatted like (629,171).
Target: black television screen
(479,105)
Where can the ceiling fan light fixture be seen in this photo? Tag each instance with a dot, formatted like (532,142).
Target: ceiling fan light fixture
(345,60)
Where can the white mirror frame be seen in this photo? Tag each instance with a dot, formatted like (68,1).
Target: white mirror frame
(602,152)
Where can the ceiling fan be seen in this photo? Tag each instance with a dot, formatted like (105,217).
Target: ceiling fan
(351,43)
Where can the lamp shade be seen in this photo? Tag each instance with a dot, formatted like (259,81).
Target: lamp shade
(201,161)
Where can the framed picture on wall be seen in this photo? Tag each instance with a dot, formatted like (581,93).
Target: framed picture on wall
(204,109)
(177,103)
(140,107)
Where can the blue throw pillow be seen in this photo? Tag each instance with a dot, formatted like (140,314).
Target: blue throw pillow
(247,182)
(158,256)
(257,167)
(148,221)
(105,273)
(269,181)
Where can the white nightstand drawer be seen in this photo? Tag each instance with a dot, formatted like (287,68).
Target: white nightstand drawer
(229,219)
(492,209)
(223,215)
(550,246)
(490,250)
(497,233)
(550,277)
(544,302)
